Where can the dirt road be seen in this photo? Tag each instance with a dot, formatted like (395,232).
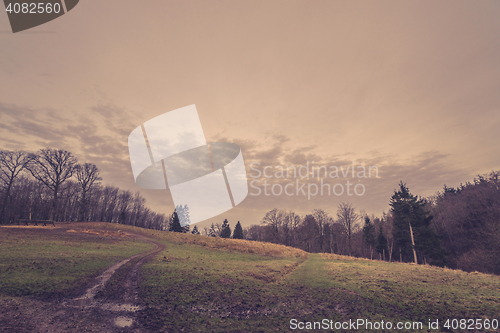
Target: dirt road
(114,310)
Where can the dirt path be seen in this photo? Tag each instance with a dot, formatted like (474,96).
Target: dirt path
(86,313)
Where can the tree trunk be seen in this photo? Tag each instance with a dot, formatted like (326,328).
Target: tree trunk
(54,204)
(6,200)
(349,243)
(83,207)
(413,245)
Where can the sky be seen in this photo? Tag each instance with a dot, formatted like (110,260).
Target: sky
(410,88)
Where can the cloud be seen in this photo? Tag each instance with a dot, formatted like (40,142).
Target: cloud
(424,173)
(102,139)
(91,140)
(117,119)
(12,144)
(41,125)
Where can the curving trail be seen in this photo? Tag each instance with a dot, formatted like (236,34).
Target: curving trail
(130,285)
(120,312)
(87,313)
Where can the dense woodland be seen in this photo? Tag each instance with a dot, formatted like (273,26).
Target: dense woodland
(457,228)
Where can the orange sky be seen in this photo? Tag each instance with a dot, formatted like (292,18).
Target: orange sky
(411,87)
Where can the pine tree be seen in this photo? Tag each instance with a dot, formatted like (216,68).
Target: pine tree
(175,226)
(226,230)
(407,212)
(238,231)
(411,216)
(212,232)
(195,231)
(183,214)
(187,216)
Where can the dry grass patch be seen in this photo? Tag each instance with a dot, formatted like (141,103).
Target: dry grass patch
(243,246)
(227,244)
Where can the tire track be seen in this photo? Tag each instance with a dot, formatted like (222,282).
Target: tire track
(132,279)
(119,313)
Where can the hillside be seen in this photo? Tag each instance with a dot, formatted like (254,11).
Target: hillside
(199,284)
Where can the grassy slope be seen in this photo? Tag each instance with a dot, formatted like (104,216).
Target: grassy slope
(231,285)
(205,284)
(208,292)
(48,262)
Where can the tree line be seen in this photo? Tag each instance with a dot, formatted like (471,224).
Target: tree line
(457,228)
(51,185)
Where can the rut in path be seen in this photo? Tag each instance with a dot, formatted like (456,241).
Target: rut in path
(85,313)
(129,289)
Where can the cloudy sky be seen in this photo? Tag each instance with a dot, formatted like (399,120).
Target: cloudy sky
(410,87)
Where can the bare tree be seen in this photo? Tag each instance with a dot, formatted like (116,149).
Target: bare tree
(68,202)
(52,167)
(349,219)
(138,203)
(87,175)
(11,164)
(291,222)
(308,234)
(274,218)
(107,204)
(215,230)
(322,220)
(125,198)
(389,228)
(51,193)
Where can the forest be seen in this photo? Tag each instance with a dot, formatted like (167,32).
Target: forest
(457,228)
(52,185)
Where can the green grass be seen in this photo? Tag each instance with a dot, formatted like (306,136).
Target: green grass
(418,291)
(201,284)
(191,286)
(48,261)
(203,289)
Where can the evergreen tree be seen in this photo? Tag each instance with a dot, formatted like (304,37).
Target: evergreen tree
(410,215)
(175,226)
(212,232)
(187,216)
(226,230)
(183,214)
(429,246)
(407,210)
(238,231)
(195,231)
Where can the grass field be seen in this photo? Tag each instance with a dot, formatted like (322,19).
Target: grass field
(200,284)
(52,262)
